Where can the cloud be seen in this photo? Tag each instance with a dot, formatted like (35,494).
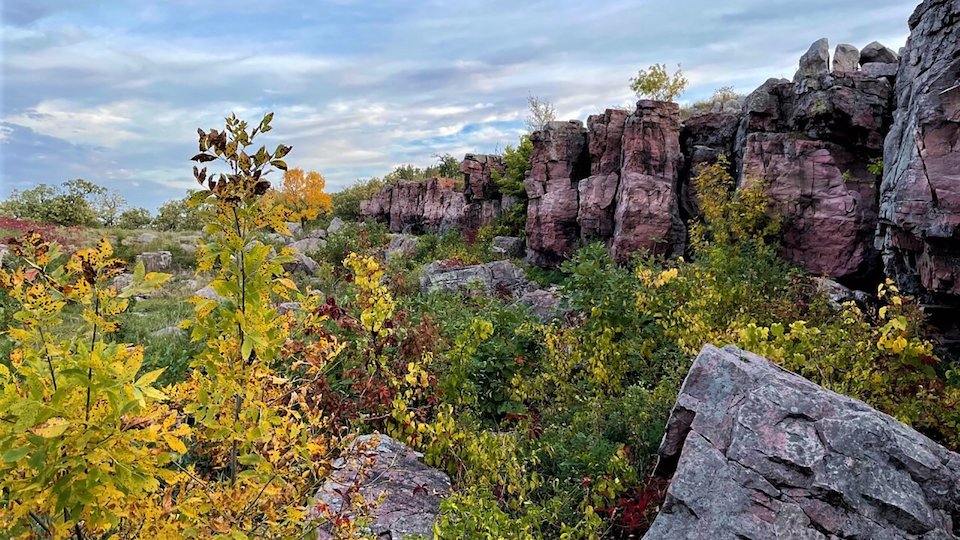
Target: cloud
(114,91)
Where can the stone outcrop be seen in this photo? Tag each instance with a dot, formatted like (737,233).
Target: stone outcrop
(484,202)
(815,62)
(877,52)
(406,494)
(647,216)
(758,452)
(417,207)
(598,192)
(811,141)
(920,193)
(156,261)
(560,160)
(498,277)
(846,57)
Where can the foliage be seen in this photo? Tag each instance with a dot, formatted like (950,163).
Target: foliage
(74,202)
(134,218)
(178,215)
(517,162)
(655,83)
(303,192)
(875,166)
(84,449)
(719,97)
(346,202)
(540,113)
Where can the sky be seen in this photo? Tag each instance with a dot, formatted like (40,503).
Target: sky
(114,91)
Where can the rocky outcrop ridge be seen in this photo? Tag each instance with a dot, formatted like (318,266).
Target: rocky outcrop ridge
(759,452)
(417,207)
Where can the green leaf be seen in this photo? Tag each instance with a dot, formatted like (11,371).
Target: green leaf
(14,455)
(150,378)
(53,427)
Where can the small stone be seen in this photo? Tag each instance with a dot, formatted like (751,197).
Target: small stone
(302,264)
(508,246)
(309,244)
(287,307)
(401,246)
(295,228)
(147,237)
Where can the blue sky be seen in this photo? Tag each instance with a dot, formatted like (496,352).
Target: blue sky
(113,91)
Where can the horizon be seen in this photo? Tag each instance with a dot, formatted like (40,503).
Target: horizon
(358,89)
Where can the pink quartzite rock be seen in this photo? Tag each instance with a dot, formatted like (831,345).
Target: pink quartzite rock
(761,453)
(433,206)
(920,193)
(827,198)
(647,215)
(477,180)
(597,193)
(560,160)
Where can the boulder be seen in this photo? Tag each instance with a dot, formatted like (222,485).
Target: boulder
(295,228)
(147,237)
(543,303)
(920,193)
(877,52)
(4,253)
(508,246)
(401,246)
(309,244)
(335,225)
(755,451)
(498,277)
(288,307)
(647,216)
(302,264)
(837,294)
(409,492)
(559,161)
(156,261)
(316,233)
(814,62)
(209,294)
(826,197)
(846,57)
(122,281)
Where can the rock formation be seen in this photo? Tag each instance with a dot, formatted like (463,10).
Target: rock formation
(560,160)
(759,452)
(497,277)
(417,207)
(919,231)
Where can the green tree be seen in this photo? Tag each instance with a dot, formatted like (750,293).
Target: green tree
(655,83)
(516,162)
(177,215)
(135,218)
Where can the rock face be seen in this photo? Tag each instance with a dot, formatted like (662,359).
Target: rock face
(417,207)
(758,452)
(815,62)
(647,216)
(811,141)
(409,491)
(498,277)
(598,192)
(920,193)
(560,160)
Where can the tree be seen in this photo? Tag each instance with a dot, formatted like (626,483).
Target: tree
(135,218)
(177,215)
(655,83)
(541,113)
(303,192)
(108,206)
(68,205)
(516,163)
(447,166)
(346,202)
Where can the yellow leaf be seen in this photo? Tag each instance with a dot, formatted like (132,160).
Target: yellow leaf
(53,427)
(175,444)
(288,283)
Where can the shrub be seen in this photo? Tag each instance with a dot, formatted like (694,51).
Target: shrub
(655,83)
(346,202)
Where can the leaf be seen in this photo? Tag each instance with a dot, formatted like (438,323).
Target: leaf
(281,151)
(149,378)
(11,456)
(175,444)
(203,158)
(53,427)
(288,283)
(280,164)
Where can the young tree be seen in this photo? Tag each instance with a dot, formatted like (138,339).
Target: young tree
(541,113)
(655,83)
(447,166)
(303,192)
(107,206)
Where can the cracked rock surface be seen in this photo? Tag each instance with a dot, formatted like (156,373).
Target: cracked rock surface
(757,452)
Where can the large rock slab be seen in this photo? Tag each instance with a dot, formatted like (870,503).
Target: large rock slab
(415,207)
(920,193)
(758,452)
(156,261)
(409,492)
(498,277)
(647,216)
(597,193)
